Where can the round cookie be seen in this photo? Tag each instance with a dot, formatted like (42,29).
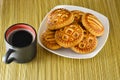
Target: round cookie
(77,15)
(69,36)
(92,24)
(59,18)
(48,40)
(87,45)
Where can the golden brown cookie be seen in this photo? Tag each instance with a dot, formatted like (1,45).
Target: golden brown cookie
(77,15)
(69,36)
(92,24)
(48,40)
(59,18)
(87,45)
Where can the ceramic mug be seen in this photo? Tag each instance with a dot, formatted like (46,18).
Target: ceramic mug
(20,40)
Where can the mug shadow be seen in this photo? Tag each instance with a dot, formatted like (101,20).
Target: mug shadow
(41,55)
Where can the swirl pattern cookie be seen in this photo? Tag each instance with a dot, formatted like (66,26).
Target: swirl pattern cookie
(48,40)
(77,15)
(69,36)
(87,45)
(59,18)
(92,24)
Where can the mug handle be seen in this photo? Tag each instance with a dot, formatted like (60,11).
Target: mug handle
(9,52)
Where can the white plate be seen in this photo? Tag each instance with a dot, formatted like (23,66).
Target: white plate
(69,53)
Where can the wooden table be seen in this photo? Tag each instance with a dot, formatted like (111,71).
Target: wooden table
(48,66)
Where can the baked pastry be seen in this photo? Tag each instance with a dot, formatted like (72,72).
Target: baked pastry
(92,24)
(48,40)
(87,45)
(59,18)
(77,15)
(69,36)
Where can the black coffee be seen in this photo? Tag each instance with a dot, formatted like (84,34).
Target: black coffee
(20,38)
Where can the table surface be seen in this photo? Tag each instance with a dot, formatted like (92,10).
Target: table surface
(48,66)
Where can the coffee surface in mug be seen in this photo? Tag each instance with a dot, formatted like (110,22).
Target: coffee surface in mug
(20,38)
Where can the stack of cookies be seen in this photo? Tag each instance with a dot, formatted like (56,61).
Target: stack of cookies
(72,29)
